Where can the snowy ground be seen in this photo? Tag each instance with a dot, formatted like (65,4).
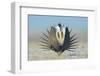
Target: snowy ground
(40,54)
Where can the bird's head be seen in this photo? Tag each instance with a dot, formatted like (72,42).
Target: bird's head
(60,33)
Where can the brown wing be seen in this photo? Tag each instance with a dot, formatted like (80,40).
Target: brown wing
(52,40)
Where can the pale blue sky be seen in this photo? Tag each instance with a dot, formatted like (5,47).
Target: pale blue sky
(40,23)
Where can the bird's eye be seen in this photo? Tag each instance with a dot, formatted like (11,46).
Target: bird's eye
(58,35)
(61,34)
